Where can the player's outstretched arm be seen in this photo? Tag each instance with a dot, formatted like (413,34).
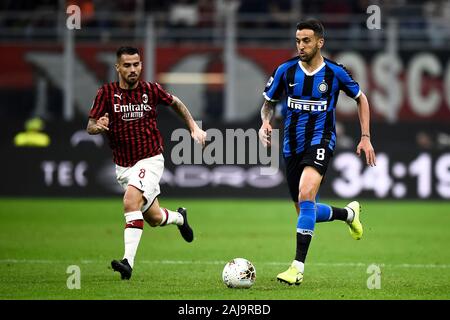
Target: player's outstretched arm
(364,119)
(197,134)
(98,126)
(265,131)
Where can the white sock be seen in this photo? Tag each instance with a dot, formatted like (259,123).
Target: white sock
(171,217)
(300,266)
(350,215)
(132,235)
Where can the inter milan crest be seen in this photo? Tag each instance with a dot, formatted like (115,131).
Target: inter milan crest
(323,87)
(144,98)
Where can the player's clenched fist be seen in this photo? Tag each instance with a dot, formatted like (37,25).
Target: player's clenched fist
(265,133)
(103,122)
(199,135)
(98,126)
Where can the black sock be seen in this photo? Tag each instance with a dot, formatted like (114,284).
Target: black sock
(303,241)
(339,214)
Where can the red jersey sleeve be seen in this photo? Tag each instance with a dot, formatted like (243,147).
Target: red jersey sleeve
(98,108)
(162,96)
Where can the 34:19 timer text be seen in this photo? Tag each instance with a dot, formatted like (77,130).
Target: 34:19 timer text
(423,176)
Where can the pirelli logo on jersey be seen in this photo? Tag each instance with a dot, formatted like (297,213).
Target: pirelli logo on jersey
(306,105)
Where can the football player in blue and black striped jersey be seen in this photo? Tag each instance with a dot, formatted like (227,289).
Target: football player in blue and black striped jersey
(311,84)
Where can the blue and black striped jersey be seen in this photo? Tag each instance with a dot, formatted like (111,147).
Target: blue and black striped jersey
(310,102)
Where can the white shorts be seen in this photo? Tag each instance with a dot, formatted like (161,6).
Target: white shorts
(145,176)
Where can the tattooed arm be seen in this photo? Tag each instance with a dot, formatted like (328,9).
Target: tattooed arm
(180,108)
(265,131)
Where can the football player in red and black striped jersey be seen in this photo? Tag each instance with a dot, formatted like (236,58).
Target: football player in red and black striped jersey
(126,111)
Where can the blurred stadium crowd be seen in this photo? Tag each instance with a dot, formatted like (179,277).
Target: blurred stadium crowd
(40,19)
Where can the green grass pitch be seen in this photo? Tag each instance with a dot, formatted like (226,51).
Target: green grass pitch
(41,238)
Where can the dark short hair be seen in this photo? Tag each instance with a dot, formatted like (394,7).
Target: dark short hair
(126,50)
(312,24)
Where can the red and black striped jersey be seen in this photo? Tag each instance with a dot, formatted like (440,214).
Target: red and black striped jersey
(133,134)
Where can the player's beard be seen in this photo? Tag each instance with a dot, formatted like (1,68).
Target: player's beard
(132,81)
(308,57)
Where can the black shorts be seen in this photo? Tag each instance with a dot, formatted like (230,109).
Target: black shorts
(317,156)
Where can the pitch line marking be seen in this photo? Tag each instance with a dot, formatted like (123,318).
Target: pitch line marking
(219,262)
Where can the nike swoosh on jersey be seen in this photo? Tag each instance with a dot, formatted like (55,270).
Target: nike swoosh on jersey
(293,84)
(319,164)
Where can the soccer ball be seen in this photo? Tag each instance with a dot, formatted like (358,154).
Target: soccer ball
(239,273)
